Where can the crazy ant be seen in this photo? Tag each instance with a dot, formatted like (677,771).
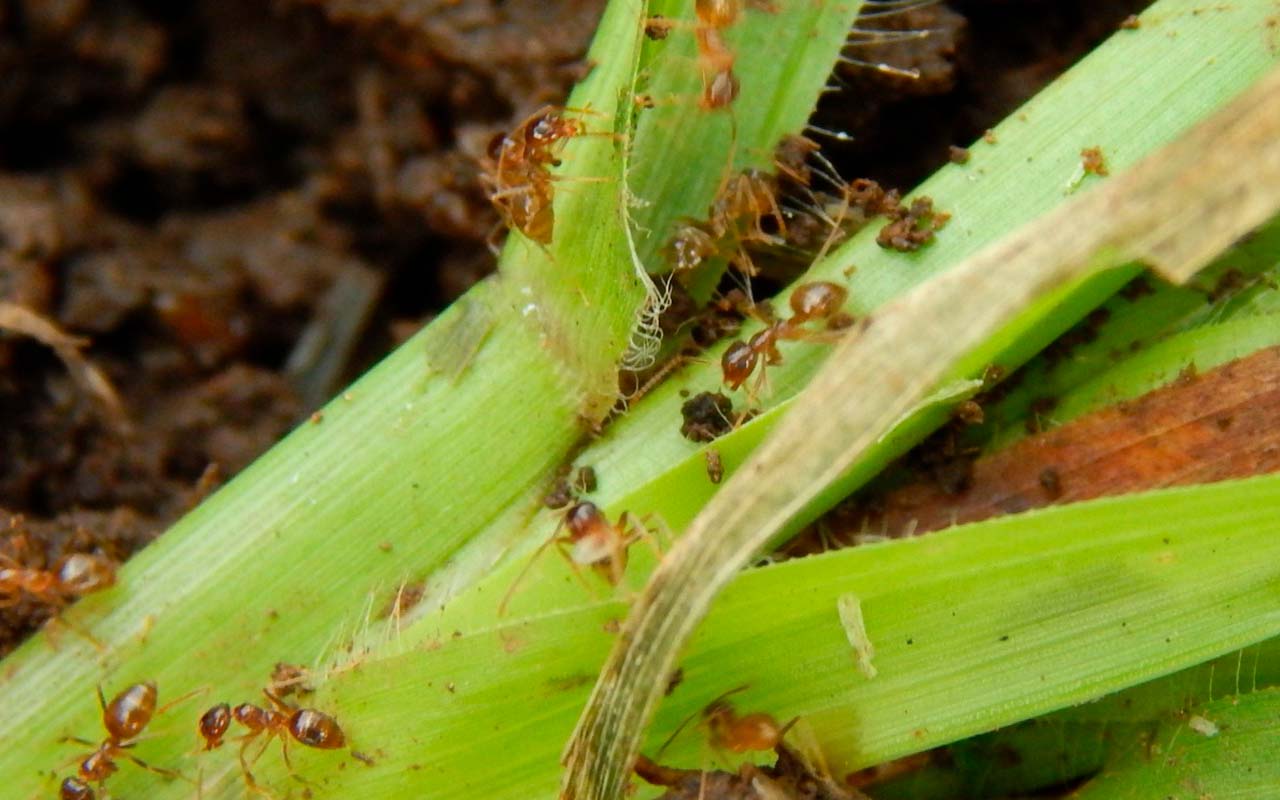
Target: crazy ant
(279,719)
(727,730)
(809,302)
(590,540)
(72,576)
(515,171)
(715,57)
(214,724)
(735,219)
(741,733)
(124,719)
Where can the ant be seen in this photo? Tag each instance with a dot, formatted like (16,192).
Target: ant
(735,219)
(281,720)
(819,300)
(72,576)
(591,540)
(124,719)
(715,58)
(515,171)
(727,730)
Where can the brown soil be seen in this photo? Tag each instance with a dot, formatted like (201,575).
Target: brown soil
(1202,428)
(206,190)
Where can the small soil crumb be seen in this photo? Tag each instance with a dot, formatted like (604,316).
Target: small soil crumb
(561,493)
(287,679)
(957,155)
(1092,160)
(707,416)
(913,227)
(1130,23)
(584,481)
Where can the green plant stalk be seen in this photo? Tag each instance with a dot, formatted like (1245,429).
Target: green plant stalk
(531,356)
(385,489)
(1192,62)
(974,628)
(785,61)
(1175,211)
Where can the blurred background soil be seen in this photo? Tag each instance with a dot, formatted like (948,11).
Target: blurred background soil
(243,204)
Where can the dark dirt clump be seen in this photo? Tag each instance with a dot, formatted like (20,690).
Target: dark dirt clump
(208,190)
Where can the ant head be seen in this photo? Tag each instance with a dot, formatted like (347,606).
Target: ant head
(214,724)
(75,789)
(582,517)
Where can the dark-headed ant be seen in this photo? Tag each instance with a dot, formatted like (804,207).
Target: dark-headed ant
(590,540)
(809,302)
(124,719)
(279,719)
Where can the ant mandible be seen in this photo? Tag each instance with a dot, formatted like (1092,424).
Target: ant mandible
(590,540)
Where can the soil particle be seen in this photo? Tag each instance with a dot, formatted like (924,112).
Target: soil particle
(912,227)
(707,416)
(1093,162)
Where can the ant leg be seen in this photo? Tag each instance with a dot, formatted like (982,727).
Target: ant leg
(180,699)
(168,773)
(58,621)
(506,598)
(78,740)
(573,565)
(250,783)
(640,531)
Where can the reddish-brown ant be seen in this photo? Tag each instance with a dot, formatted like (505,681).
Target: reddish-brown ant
(734,732)
(279,719)
(124,719)
(515,171)
(72,576)
(214,724)
(590,540)
(809,302)
(715,57)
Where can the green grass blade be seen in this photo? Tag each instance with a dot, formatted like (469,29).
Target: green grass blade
(883,372)
(974,629)
(321,531)
(1223,749)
